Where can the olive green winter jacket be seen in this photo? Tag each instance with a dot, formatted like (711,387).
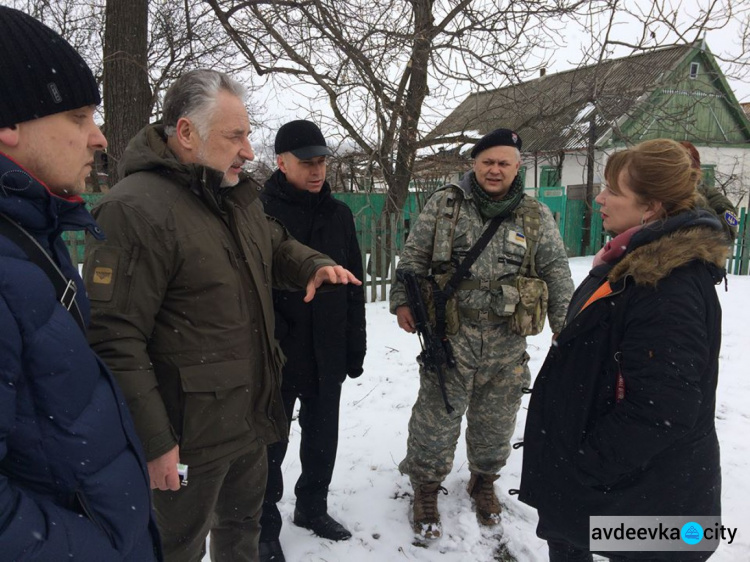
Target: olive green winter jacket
(181,304)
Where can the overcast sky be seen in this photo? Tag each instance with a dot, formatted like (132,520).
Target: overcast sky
(279,107)
(723,43)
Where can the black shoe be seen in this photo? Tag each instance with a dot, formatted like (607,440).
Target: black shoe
(323,525)
(271,552)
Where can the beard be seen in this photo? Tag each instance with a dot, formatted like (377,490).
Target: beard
(226,182)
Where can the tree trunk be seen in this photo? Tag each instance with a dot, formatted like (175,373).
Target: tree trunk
(589,202)
(406,150)
(127,94)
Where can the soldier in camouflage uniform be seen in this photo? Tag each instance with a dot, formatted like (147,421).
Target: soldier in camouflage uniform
(491,361)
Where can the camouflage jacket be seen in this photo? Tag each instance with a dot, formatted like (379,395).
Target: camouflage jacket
(499,261)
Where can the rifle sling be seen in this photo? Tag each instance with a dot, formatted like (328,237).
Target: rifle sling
(64,288)
(471,256)
(441,296)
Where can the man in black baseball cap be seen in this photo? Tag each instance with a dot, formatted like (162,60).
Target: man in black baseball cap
(301,153)
(73,477)
(302,138)
(324,341)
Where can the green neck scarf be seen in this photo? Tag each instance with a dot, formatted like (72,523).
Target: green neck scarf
(490,208)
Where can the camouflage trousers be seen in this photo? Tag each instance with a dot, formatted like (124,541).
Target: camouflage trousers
(486,384)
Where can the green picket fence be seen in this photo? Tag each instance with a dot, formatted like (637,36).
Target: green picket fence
(367,209)
(739,260)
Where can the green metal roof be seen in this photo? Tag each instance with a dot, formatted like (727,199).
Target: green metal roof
(552,112)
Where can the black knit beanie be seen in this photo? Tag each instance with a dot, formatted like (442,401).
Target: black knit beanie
(40,73)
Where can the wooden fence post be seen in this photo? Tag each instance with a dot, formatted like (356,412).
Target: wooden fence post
(373,248)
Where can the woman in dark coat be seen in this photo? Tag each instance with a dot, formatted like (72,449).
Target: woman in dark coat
(621,418)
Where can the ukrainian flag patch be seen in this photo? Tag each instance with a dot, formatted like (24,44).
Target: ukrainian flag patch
(515,237)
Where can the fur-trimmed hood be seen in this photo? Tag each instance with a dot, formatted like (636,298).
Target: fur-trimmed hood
(656,251)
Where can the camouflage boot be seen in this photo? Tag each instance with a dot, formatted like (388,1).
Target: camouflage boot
(482,490)
(426,522)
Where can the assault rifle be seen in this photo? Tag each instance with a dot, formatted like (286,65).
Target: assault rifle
(436,349)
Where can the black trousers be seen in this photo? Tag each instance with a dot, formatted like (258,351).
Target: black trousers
(319,422)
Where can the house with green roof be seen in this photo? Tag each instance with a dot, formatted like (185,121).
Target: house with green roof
(570,118)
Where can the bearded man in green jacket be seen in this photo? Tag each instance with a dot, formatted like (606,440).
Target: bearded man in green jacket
(183,315)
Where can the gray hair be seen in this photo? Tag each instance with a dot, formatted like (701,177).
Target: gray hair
(518,154)
(193,95)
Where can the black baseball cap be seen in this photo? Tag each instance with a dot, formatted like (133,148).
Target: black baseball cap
(301,138)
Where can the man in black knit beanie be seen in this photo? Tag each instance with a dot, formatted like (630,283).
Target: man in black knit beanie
(73,478)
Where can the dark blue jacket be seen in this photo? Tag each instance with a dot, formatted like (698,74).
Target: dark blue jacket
(621,417)
(73,479)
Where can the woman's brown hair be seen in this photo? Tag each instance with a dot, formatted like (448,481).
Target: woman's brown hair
(658,170)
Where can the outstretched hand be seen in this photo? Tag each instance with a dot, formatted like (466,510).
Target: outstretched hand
(334,274)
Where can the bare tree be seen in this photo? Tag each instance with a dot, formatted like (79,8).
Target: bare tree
(734,184)
(185,37)
(376,63)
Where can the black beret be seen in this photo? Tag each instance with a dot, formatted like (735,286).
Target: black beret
(498,137)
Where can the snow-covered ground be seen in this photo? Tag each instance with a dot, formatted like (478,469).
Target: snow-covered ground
(372,499)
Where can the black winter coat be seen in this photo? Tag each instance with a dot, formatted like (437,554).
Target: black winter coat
(323,340)
(653,451)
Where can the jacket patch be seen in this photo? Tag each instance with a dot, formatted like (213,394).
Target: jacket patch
(102,275)
(101,272)
(517,238)
(731,218)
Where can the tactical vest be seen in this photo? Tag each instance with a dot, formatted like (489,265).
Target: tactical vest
(526,317)
(528,214)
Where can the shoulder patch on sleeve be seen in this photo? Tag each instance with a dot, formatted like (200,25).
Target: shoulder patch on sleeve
(730,218)
(101,277)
